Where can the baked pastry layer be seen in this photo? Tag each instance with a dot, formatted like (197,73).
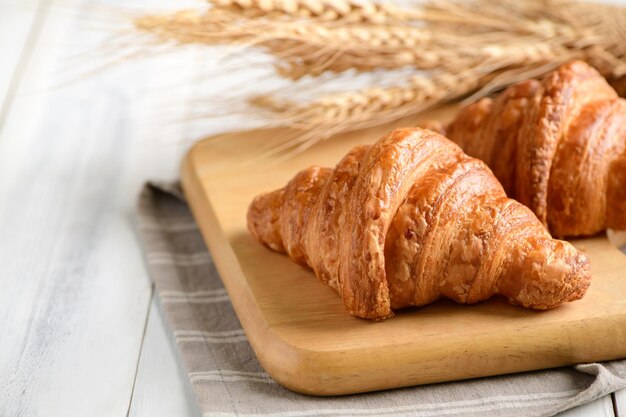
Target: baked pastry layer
(412,219)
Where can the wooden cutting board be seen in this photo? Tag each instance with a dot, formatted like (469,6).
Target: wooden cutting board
(301,332)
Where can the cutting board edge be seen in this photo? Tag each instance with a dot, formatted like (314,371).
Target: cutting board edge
(324,372)
(266,345)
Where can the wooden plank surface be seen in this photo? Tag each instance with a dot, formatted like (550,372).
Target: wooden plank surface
(74,313)
(305,339)
(162,386)
(75,293)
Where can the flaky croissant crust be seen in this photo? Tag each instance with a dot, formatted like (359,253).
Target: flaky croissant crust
(412,219)
(556,145)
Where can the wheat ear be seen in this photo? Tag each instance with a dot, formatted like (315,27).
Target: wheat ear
(321,10)
(457,49)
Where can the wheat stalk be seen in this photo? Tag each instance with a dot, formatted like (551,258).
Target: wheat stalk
(356,107)
(344,112)
(321,10)
(315,48)
(305,49)
(457,48)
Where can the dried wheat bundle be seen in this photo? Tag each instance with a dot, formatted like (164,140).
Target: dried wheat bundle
(456,48)
(303,49)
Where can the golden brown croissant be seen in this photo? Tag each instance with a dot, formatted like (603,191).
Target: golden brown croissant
(412,219)
(556,145)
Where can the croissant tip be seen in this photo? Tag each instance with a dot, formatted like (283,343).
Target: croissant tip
(375,317)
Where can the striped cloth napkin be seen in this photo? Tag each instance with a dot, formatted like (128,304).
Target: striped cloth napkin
(228,380)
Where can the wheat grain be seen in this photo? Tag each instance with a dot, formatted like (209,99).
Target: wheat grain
(314,48)
(457,47)
(322,10)
(357,108)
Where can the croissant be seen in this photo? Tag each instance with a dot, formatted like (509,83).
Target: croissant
(557,145)
(412,219)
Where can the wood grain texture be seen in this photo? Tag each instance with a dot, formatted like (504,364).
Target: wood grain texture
(162,386)
(305,339)
(75,293)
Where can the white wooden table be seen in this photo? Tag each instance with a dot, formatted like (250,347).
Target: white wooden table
(82,334)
